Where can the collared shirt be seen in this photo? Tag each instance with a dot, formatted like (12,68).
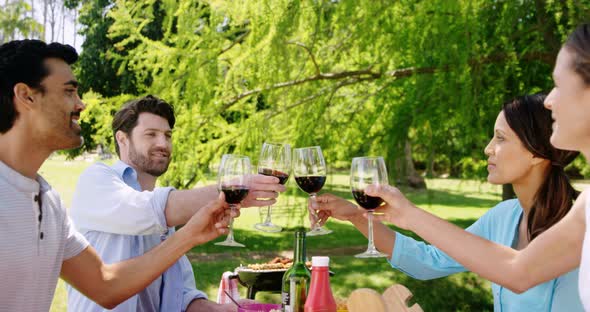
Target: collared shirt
(584,283)
(34,241)
(121,221)
(500,225)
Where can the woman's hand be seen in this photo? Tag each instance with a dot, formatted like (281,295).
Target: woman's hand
(328,205)
(397,209)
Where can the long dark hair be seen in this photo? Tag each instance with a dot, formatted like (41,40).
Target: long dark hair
(579,43)
(531,121)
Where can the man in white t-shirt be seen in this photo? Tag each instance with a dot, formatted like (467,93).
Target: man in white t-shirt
(39,112)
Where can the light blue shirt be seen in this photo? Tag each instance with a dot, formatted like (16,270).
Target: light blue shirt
(121,221)
(500,225)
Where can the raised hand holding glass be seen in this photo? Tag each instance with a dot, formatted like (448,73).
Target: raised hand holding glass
(366,171)
(309,168)
(233,180)
(275,160)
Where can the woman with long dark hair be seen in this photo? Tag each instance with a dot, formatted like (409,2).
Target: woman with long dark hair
(564,246)
(520,154)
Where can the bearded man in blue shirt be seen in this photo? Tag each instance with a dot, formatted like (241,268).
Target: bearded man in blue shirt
(123,214)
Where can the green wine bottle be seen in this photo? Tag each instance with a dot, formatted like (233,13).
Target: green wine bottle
(296,279)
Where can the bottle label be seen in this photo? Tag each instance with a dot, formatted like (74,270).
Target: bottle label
(286,302)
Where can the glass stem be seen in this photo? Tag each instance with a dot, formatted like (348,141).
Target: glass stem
(314,214)
(230,235)
(267,221)
(371,242)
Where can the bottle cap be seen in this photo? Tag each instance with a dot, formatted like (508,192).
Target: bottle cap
(320,261)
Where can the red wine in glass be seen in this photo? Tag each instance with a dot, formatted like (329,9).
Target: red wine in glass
(283,177)
(234,194)
(366,201)
(311,184)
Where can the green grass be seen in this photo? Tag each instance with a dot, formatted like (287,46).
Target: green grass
(459,201)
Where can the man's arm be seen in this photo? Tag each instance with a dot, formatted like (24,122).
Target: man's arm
(182,205)
(111,284)
(103,202)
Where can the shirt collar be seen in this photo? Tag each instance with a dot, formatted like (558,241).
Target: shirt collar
(21,182)
(127,174)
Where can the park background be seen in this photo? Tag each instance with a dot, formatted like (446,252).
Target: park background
(418,82)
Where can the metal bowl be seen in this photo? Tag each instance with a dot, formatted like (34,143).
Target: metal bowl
(260,280)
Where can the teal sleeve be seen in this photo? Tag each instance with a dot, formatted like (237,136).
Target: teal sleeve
(565,293)
(423,261)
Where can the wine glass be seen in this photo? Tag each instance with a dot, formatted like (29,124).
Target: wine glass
(233,180)
(366,171)
(309,168)
(275,160)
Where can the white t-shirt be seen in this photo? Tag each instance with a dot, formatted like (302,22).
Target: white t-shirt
(33,242)
(584,278)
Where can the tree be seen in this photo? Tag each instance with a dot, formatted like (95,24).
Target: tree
(407,80)
(14,22)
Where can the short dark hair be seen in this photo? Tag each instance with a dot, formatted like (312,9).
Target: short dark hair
(21,61)
(126,118)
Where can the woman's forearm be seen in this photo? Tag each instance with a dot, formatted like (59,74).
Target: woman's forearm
(551,254)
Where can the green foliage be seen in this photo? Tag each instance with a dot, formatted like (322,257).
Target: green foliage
(102,67)
(14,22)
(356,77)
(96,122)
(578,169)
(95,69)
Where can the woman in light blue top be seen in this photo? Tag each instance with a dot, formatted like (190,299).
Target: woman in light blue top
(519,154)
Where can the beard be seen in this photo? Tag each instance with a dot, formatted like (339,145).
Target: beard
(144,163)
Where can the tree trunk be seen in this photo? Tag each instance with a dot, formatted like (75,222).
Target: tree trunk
(34,33)
(63,23)
(430,163)
(52,4)
(508,192)
(44,19)
(75,25)
(404,172)
(414,179)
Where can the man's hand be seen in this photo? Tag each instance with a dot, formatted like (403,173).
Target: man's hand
(210,221)
(328,205)
(263,191)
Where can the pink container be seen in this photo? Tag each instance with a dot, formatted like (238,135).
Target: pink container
(259,307)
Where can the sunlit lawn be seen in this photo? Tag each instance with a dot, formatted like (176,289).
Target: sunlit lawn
(459,201)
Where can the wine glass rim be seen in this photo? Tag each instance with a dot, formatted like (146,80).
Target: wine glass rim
(275,143)
(234,156)
(307,147)
(368,157)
